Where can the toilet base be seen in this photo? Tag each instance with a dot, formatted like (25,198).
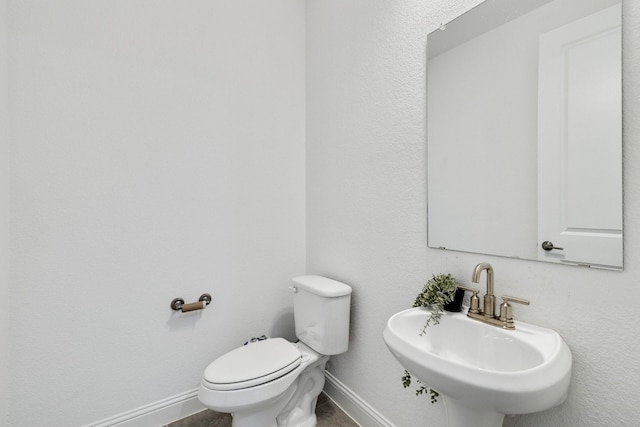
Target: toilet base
(292,405)
(265,416)
(295,408)
(300,411)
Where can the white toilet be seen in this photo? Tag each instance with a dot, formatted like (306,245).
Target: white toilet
(276,383)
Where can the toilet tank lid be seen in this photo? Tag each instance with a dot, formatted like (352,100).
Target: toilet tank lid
(322,286)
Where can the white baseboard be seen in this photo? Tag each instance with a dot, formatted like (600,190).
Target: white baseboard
(156,414)
(359,410)
(185,404)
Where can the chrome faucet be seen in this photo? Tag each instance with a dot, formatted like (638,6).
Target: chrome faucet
(489,298)
(505,319)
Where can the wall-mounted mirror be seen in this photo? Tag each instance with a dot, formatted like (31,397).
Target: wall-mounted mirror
(524,132)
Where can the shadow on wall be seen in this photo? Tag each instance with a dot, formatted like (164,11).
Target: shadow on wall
(284,325)
(180,321)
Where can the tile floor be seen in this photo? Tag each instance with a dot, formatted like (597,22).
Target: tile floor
(328,413)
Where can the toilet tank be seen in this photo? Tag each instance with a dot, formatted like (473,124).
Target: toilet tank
(321,308)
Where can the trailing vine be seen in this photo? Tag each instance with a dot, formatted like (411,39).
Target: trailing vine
(437,292)
(406,382)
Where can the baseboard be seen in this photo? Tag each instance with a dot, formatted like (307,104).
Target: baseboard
(156,414)
(359,410)
(185,404)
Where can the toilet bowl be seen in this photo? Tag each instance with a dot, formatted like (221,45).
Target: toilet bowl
(259,401)
(276,383)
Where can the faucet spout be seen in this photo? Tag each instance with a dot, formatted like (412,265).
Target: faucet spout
(489,298)
(505,319)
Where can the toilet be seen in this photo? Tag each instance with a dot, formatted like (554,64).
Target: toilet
(274,382)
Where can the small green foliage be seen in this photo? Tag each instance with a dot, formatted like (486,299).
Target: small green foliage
(406,382)
(438,291)
(406,379)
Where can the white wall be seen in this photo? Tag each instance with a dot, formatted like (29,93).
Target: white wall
(157,153)
(366,215)
(4,212)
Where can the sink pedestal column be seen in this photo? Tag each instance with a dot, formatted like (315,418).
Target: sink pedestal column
(459,415)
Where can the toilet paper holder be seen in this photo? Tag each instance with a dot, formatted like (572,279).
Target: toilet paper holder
(178,304)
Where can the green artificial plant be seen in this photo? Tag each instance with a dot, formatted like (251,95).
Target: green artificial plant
(406,382)
(438,291)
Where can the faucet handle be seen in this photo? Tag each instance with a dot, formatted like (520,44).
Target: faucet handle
(506,313)
(474,301)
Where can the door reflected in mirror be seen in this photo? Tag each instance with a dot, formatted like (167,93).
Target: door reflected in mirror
(524,132)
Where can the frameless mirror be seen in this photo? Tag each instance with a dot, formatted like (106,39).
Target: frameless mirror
(524,131)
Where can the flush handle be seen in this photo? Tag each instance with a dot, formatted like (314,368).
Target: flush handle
(548,246)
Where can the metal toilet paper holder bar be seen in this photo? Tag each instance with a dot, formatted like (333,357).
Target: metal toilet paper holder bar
(178,304)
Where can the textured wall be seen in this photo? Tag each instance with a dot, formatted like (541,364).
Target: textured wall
(366,215)
(4,212)
(157,152)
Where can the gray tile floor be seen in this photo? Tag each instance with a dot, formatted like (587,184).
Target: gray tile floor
(328,413)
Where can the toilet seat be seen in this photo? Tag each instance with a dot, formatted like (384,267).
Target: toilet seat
(252,365)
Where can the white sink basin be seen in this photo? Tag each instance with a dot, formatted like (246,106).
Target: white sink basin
(482,369)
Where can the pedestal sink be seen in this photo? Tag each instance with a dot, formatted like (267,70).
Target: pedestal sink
(482,371)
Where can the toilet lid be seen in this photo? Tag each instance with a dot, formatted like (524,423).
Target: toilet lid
(252,364)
